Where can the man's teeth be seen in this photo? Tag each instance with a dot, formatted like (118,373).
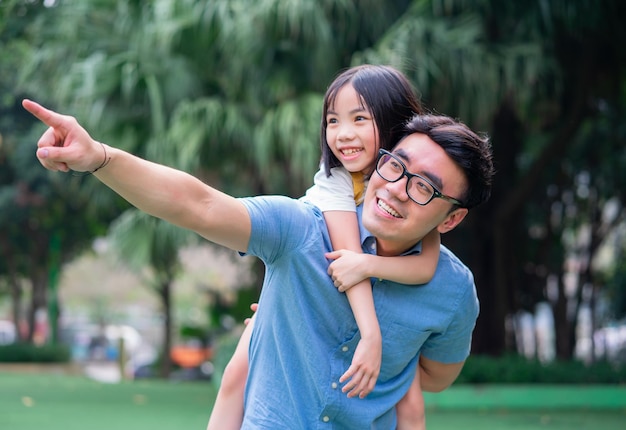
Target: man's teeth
(384,206)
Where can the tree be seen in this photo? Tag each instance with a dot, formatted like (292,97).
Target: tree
(159,79)
(232,90)
(534,75)
(146,242)
(42,223)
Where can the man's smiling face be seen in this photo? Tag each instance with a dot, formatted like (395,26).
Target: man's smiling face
(397,221)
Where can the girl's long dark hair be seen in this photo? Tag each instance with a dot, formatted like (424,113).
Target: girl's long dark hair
(387,94)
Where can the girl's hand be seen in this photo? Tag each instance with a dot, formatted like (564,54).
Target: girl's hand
(347,269)
(362,374)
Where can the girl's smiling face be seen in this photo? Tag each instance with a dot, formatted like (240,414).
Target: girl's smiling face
(351,131)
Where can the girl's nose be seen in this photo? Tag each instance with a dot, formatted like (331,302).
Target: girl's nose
(346,132)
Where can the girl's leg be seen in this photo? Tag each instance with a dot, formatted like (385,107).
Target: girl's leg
(228,408)
(410,409)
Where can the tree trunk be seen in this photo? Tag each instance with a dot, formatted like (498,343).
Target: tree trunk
(16,307)
(491,256)
(16,292)
(165,291)
(36,328)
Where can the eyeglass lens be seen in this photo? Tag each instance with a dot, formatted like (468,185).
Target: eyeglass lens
(392,170)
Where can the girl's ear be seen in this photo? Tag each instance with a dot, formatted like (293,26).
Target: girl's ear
(453,219)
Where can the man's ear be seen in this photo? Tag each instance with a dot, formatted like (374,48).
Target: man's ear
(453,219)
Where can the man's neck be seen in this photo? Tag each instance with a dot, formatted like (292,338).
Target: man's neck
(392,249)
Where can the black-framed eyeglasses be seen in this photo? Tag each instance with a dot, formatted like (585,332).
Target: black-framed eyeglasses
(418,188)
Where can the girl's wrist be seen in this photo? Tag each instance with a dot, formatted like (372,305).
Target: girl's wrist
(371,331)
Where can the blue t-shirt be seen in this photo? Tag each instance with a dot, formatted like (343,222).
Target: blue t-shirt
(305,333)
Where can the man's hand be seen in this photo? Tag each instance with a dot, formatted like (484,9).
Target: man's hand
(365,368)
(65,145)
(347,269)
(253,308)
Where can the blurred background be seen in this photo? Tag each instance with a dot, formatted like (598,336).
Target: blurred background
(231,91)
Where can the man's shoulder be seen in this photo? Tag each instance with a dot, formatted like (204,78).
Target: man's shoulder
(281,225)
(281,210)
(451,266)
(276,202)
(450,256)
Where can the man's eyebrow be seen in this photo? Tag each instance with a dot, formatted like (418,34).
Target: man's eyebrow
(435,179)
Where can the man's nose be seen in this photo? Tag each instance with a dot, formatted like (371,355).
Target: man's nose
(398,188)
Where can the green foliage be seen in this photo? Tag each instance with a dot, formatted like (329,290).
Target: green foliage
(241,309)
(29,353)
(616,286)
(200,333)
(144,241)
(231,91)
(224,349)
(514,369)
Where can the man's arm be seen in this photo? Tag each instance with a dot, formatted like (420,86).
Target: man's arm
(166,193)
(436,376)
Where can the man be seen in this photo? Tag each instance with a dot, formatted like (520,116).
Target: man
(305,333)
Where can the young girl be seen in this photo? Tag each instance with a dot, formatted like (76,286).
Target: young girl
(365,109)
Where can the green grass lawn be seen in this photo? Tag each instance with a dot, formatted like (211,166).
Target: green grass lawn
(57,402)
(60,402)
(504,419)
